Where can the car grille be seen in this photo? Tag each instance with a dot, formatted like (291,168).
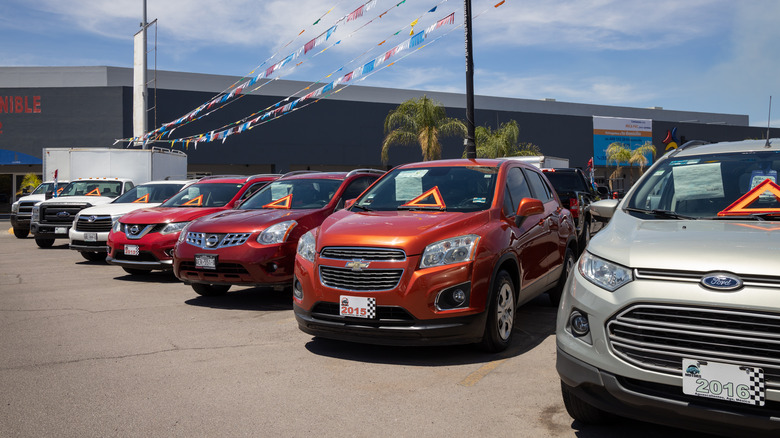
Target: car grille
(695,277)
(60,214)
(658,337)
(364,280)
(367,254)
(201,240)
(99,224)
(25,207)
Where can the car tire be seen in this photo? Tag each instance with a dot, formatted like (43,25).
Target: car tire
(44,243)
(501,315)
(136,271)
(556,293)
(93,256)
(580,410)
(210,290)
(21,233)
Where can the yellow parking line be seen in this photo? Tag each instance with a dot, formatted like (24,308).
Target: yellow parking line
(473,378)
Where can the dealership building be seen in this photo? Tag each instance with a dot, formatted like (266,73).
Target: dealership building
(47,107)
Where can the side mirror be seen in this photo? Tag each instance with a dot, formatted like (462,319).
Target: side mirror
(603,191)
(349,202)
(604,209)
(49,195)
(528,207)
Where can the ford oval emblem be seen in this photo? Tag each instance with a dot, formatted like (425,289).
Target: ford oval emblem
(721,281)
(63,214)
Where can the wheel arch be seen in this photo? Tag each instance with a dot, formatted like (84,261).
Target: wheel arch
(507,262)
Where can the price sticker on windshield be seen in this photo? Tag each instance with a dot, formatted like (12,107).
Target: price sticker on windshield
(735,383)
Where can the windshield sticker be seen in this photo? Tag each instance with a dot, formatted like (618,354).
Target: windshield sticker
(758,176)
(408,184)
(433,198)
(196,201)
(699,181)
(684,162)
(280,190)
(479,200)
(94,192)
(143,199)
(740,206)
(283,203)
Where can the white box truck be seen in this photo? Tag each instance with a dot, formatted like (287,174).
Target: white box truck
(542,161)
(98,176)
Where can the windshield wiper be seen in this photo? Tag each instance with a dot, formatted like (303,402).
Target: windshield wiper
(420,208)
(361,207)
(666,214)
(756,216)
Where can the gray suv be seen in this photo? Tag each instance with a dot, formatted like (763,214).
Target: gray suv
(673,312)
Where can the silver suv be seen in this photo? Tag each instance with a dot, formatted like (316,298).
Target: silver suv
(673,313)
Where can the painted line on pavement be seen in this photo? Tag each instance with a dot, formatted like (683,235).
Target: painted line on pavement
(474,378)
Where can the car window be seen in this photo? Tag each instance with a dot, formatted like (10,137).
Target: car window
(294,194)
(539,187)
(252,190)
(457,188)
(709,186)
(149,193)
(516,189)
(204,195)
(92,188)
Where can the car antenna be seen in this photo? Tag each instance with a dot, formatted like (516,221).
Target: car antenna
(768,123)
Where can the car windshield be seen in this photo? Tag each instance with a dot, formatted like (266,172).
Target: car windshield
(294,194)
(147,193)
(110,189)
(204,195)
(565,181)
(48,187)
(458,188)
(714,186)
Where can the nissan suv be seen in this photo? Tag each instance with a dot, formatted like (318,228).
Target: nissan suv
(672,314)
(437,252)
(255,243)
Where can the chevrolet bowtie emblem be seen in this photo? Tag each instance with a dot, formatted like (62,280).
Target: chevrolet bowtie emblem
(357,265)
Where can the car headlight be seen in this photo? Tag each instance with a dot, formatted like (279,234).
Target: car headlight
(15,207)
(449,251)
(307,247)
(183,234)
(116,226)
(36,212)
(173,227)
(276,233)
(602,273)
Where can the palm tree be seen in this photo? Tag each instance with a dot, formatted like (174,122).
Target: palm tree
(617,153)
(639,156)
(502,142)
(29,183)
(419,121)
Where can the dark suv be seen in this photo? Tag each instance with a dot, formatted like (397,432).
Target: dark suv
(576,194)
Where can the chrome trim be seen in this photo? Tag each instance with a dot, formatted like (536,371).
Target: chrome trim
(368,254)
(224,240)
(369,279)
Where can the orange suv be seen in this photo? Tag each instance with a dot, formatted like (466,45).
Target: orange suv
(438,252)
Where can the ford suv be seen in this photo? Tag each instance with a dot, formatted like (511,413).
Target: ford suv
(438,252)
(673,312)
(143,240)
(255,244)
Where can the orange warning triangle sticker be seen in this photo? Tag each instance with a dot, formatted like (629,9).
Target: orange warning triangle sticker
(196,201)
(433,194)
(144,199)
(280,203)
(94,192)
(740,206)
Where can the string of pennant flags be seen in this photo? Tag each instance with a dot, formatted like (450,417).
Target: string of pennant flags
(278,110)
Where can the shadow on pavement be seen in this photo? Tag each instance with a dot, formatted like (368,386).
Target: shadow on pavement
(256,298)
(151,276)
(534,322)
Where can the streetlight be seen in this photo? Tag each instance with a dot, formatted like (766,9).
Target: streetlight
(468,142)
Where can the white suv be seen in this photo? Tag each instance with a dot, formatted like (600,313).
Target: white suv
(673,313)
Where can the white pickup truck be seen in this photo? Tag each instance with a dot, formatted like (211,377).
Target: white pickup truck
(22,208)
(91,226)
(51,219)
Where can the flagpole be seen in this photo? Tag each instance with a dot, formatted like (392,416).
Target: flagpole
(468,142)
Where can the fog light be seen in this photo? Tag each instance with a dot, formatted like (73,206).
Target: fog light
(579,323)
(272,267)
(297,289)
(454,297)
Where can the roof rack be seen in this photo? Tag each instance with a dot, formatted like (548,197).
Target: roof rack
(688,144)
(299,172)
(374,171)
(220,176)
(260,175)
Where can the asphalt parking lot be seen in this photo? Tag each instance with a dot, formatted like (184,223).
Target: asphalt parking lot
(90,351)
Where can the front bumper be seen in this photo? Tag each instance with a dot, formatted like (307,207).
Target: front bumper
(79,242)
(155,251)
(664,404)
(45,231)
(20,222)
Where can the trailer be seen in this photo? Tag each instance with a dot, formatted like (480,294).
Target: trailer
(138,165)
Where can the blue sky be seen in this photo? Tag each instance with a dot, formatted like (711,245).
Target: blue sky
(719,56)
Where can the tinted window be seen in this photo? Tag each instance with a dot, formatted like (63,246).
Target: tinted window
(517,189)
(303,194)
(204,195)
(539,188)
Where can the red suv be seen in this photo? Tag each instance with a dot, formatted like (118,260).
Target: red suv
(143,240)
(255,243)
(438,252)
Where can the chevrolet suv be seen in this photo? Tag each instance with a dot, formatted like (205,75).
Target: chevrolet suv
(143,240)
(673,313)
(255,243)
(438,252)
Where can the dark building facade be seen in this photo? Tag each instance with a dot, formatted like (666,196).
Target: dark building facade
(92,107)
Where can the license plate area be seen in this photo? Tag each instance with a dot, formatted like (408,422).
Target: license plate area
(90,237)
(723,381)
(206,261)
(131,250)
(357,307)
(60,230)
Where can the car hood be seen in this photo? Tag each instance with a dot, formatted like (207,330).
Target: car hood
(408,230)
(93,200)
(246,221)
(116,209)
(741,247)
(159,215)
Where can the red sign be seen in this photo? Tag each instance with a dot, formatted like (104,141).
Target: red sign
(20,104)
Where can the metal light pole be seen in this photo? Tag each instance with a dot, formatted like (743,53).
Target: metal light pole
(468,142)
(140,115)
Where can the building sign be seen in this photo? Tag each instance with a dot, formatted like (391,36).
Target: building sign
(631,132)
(20,104)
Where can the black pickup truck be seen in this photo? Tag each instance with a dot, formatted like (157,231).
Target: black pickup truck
(576,194)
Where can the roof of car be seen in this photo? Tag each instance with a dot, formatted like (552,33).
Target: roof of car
(238,179)
(305,174)
(492,162)
(699,147)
